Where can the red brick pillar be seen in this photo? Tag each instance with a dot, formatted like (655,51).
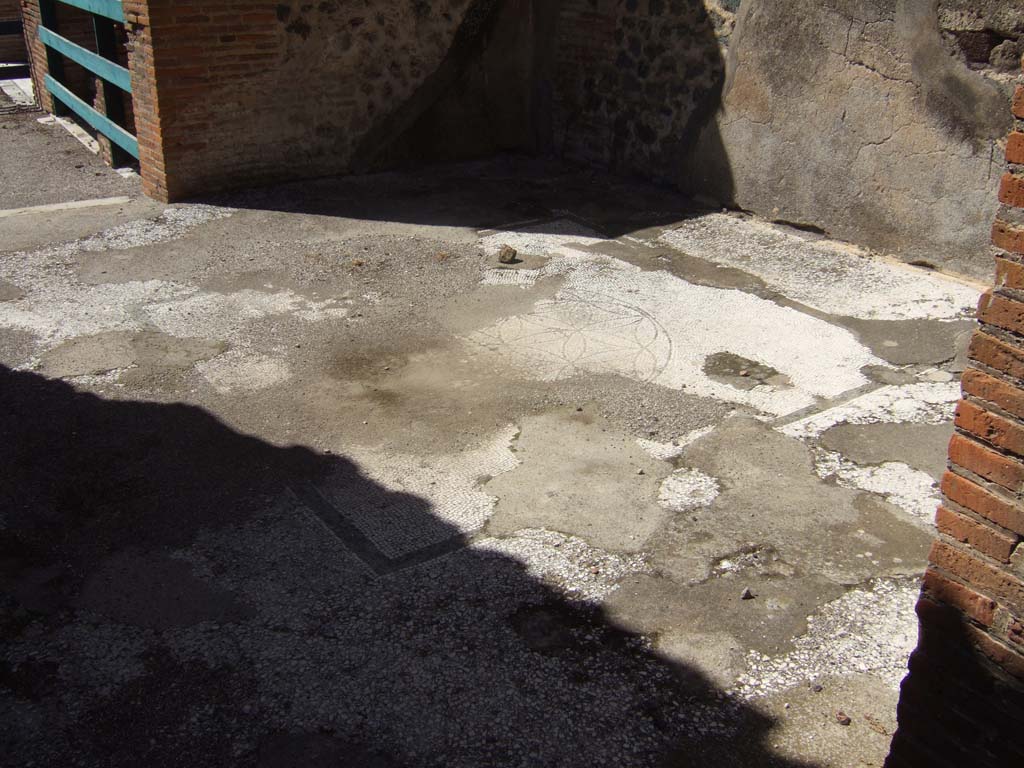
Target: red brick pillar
(146,107)
(36,52)
(963,702)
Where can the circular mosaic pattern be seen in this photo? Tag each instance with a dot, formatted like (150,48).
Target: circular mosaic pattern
(583,331)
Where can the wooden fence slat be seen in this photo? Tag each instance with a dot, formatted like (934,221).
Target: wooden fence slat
(112,9)
(101,123)
(96,64)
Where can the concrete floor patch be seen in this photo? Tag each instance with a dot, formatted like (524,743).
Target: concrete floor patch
(217,315)
(613,317)
(67,309)
(673,449)
(925,403)
(867,631)
(57,307)
(240,369)
(603,489)
(64,310)
(423,501)
(909,489)
(921,446)
(55,207)
(828,276)
(582,572)
(174,223)
(913,491)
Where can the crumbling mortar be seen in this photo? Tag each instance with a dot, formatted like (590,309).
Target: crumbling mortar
(996,373)
(993,408)
(1002,334)
(979,519)
(981,482)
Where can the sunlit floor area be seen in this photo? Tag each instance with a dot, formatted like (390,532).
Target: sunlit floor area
(494,464)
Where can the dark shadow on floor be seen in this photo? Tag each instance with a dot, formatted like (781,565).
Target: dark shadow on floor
(957,705)
(14,70)
(173,593)
(503,192)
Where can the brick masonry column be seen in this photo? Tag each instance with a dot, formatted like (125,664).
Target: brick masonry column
(146,106)
(36,52)
(963,702)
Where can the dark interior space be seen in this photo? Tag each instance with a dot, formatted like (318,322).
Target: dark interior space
(621,86)
(574,109)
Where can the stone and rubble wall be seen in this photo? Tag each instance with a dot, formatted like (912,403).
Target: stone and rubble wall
(963,701)
(480,100)
(233,93)
(878,123)
(634,82)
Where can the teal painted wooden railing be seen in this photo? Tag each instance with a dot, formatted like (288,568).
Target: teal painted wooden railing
(111,9)
(103,64)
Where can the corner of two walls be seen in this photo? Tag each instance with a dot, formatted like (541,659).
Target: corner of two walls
(240,94)
(635,82)
(479,101)
(878,123)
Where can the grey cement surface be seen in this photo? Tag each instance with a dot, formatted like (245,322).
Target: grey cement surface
(922,446)
(303,478)
(36,228)
(913,342)
(588,494)
(52,167)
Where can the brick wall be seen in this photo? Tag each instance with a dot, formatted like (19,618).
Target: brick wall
(12,44)
(234,92)
(36,51)
(963,701)
(146,106)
